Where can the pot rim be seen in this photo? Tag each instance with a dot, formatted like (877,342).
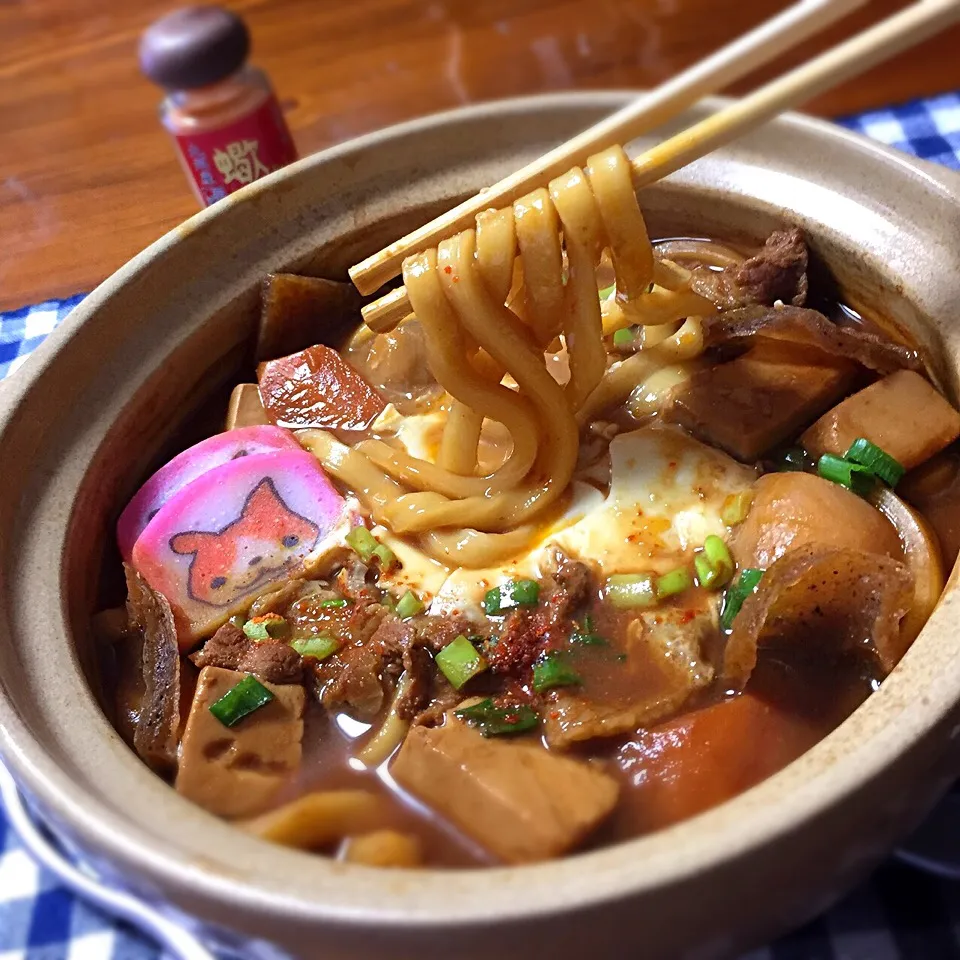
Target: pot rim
(726,832)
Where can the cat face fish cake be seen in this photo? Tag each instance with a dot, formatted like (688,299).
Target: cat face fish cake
(222,539)
(186,467)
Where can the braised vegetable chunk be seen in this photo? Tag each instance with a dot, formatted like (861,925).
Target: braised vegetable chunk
(832,598)
(317,388)
(902,414)
(297,310)
(750,405)
(520,802)
(793,510)
(237,771)
(158,722)
(934,489)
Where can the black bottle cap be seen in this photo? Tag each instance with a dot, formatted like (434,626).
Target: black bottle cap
(194,47)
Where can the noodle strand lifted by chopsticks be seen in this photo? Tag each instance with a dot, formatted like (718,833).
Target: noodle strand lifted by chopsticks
(541,257)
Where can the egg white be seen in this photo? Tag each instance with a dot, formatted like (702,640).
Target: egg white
(666,495)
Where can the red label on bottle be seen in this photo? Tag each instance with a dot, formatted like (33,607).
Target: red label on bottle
(224,160)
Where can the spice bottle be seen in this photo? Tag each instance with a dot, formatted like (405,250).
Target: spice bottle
(221,112)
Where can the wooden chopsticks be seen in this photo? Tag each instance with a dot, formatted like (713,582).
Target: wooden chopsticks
(890,36)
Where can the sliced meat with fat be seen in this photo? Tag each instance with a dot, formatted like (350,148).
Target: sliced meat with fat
(664,664)
(158,720)
(777,272)
(808,334)
(232,649)
(517,800)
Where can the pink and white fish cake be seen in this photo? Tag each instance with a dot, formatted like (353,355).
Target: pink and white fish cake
(224,538)
(186,467)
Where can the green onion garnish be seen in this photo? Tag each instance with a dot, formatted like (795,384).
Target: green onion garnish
(409,605)
(518,593)
(494,721)
(388,559)
(334,603)
(317,647)
(853,476)
(869,455)
(745,584)
(362,541)
(553,670)
(631,590)
(624,338)
(607,292)
(736,507)
(715,566)
(460,660)
(674,582)
(240,701)
(269,626)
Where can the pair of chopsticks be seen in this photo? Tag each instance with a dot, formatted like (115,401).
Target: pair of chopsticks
(756,48)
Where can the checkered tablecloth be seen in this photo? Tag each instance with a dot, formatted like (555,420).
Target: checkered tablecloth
(900,914)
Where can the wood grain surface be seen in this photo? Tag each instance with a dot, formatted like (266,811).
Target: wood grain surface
(88,176)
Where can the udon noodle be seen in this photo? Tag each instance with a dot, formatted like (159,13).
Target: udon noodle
(541,257)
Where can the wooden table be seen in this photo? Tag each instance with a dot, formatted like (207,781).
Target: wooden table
(88,178)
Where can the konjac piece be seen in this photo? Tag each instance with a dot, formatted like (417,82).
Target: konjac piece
(793,510)
(751,404)
(237,771)
(902,414)
(297,310)
(317,388)
(515,799)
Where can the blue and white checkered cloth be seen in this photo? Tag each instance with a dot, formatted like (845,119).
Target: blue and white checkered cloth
(900,914)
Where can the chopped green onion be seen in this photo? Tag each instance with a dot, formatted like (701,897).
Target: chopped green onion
(791,459)
(631,590)
(240,701)
(409,605)
(718,554)
(238,620)
(869,455)
(624,338)
(587,636)
(518,593)
(459,661)
(362,541)
(388,602)
(268,626)
(607,292)
(853,476)
(317,647)
(744,585)
(553,670)
(736,507)
(494,721)
(388,559)
(674,582)
(334,603)
(707,577)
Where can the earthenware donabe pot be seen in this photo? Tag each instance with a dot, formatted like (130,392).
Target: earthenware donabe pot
(97,405)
